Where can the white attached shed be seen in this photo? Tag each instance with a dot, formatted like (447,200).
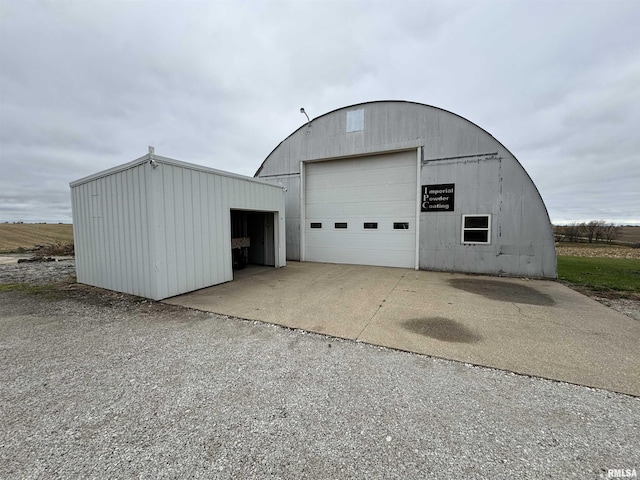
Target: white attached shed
(158,227)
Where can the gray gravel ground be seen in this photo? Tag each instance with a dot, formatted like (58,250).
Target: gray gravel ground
(95,384)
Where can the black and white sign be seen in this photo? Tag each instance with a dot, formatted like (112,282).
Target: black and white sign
(438,198)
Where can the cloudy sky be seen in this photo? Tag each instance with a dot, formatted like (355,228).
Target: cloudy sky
(88,85)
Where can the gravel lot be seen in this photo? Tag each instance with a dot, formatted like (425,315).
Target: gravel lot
(95,384)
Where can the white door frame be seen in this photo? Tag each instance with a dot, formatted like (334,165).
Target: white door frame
(418,200)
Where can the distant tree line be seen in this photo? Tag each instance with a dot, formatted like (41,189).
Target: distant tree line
(20,222)
(593,231)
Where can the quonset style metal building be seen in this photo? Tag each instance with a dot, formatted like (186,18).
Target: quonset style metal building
(158,227)
(404,184)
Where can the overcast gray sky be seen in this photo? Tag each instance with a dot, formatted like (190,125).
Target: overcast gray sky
(88,85)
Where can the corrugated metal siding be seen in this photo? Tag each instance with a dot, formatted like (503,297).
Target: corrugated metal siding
(389,126)
(477,191)
(111,230)
(159,232)
(193,231)
(292,209)
(527,239)
(522,242)
(522,237)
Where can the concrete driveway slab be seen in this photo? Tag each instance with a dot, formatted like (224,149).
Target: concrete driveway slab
(533,327)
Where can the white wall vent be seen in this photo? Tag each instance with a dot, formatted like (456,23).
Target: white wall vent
(355,120)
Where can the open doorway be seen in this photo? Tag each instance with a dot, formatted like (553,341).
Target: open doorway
(252,238)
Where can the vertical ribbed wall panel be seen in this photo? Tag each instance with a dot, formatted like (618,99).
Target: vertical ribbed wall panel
(192,256)
(111,230)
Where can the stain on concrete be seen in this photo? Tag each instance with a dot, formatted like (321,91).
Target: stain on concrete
(502,291)
(441,328)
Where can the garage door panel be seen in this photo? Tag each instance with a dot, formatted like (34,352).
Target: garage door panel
(354,164)
(358,256)
(395,193)
(379,189)
(353,209)
(348,179)
(384,228)
(361,240)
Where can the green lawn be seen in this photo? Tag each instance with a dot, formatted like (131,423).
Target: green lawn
(618,276)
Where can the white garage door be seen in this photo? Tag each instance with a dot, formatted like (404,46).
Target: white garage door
(362,210)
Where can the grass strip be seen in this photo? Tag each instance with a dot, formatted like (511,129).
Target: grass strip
(620,276)
(51,291)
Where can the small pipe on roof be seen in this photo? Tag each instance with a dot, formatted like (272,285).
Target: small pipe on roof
(305,114)
(152,161)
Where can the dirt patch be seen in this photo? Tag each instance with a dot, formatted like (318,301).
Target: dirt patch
(502,291)
(440,328)
(627,306)
(64,249)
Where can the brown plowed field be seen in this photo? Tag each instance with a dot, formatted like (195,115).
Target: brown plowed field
(30,235)
(629,234)
(596,250)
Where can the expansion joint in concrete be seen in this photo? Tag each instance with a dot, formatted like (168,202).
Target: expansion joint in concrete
(379,307)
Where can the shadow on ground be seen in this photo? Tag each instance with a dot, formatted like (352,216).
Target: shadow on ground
(502,291)
(441,328)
